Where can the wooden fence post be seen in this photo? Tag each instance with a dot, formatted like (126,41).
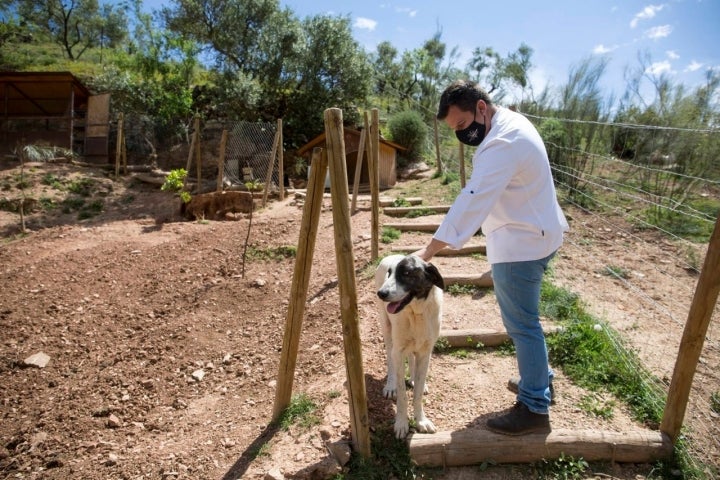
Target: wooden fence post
(221,160)
(198,155)
(699,316)
(374,171)
(268,175)
(359,420)
(281,161)
(358,167)
(119,144)
(193,141)
(300,282)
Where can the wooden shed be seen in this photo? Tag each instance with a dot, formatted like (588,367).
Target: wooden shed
(387,157)
(56,109)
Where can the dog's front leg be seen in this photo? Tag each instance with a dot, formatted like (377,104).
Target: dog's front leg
(402,426)
(389,391)
(422,365)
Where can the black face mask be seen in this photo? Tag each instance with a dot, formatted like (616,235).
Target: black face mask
(473,134)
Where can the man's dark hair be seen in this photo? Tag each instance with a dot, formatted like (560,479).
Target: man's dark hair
(464,94)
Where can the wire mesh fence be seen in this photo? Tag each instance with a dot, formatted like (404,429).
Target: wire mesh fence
(249,153)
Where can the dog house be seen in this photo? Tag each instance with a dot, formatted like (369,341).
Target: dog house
(387,170)
(54,109)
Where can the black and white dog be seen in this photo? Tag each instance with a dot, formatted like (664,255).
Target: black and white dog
(410,294)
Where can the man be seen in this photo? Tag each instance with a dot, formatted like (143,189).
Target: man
(510,195)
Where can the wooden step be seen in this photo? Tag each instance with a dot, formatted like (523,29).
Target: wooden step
(401,211)
(413,227)
(473,337)
(445,252)
(473,446)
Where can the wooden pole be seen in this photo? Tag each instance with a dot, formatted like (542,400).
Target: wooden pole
(699,316)
(474,446)
(437,148)
(221,160)
(124,152)
(192,150)
(374,172)
(118,144)
(358,166)
(301,280)
(198,155)
(268,175)
(359,420)
(281,160)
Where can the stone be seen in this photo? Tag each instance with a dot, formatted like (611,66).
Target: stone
(274,474)
(38,360)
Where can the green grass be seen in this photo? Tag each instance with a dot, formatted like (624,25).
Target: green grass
(389,235)
(300,412)
(272,253)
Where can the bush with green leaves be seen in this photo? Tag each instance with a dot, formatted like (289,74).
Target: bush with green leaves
(408,129)
(175,182)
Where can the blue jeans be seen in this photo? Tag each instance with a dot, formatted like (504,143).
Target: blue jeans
(517,289)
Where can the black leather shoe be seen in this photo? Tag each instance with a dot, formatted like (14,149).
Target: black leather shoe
(512,385)
(520,421)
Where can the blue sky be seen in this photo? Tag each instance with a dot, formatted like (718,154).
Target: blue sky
(682,37)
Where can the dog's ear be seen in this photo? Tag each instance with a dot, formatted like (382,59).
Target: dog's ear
(434,275)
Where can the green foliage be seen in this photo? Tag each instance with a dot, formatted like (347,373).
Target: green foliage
(715,402)
(389,234)
(301,412)
(272,253)
(562,468)
(458,289)
(175,182)
(615,271)
(400,202)
(595,357)
(597,405)
(408,129)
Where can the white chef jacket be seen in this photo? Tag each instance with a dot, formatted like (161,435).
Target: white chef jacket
(510,194)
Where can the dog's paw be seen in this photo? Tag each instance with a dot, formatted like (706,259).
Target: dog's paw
(389,391)
(402,427)
(425,426)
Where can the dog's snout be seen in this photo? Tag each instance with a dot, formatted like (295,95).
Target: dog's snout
(383,294)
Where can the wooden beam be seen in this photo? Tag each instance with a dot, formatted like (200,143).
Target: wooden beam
(401,211)
(413,227)
(475,446)
(388,202)
(445,252)
(472,337)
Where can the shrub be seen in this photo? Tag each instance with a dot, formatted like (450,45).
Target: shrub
(408,129)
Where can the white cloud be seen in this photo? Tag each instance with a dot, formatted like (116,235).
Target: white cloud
(365,23)
(602,49)
(648,12)
(658,32)
(659,68)
(672,55)
(694,66)
(410,12)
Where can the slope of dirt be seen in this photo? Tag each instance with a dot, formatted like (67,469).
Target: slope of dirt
(164,340)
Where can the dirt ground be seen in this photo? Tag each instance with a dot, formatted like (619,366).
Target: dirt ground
(164,344)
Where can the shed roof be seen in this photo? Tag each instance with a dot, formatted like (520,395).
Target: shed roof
(41,94)
(351,131)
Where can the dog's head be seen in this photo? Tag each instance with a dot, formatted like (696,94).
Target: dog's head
(411,278)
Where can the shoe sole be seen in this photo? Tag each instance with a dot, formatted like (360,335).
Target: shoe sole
(519,434)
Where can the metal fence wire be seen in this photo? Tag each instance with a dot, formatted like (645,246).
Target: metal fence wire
(248,153)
